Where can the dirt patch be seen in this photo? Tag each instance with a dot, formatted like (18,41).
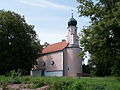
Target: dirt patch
(22,87)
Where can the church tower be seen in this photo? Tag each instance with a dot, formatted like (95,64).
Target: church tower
(72,62)
(72,38)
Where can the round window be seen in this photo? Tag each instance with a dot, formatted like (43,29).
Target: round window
(52,62)
(43,63)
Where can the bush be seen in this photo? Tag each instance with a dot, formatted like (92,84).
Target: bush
(77,86)
(98,87)
(12,74)
(39,84)
(16,80)
(61,85)
(118,78)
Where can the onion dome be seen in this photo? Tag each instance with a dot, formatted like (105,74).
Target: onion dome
(72,21)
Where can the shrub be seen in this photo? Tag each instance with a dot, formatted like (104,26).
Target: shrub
(15,80)
(39,84)
(77,86)
(12,74)
(61,85)
(98,87)
(118,78)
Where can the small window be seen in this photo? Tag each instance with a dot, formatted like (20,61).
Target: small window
(68,68)
(52,62)
(76,39)
(43,63)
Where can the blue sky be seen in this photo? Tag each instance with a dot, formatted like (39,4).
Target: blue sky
(50,17)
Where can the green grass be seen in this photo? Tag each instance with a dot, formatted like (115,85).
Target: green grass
(66,83)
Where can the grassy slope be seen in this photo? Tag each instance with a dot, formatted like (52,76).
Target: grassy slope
(67,83)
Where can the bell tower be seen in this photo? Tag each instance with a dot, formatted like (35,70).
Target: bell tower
(72,62)
(72,38)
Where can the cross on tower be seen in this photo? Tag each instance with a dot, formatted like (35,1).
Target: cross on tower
(72,13)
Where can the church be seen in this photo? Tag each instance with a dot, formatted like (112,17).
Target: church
(60,59)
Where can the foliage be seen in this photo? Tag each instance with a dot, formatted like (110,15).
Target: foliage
(102,38)
(19,45)
(66,83)
(78,86)
(15,80)
(12,74)
(86,68)
(45,44)
(61,85)
(38,84)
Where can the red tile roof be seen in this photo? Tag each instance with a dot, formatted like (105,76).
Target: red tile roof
(55,47)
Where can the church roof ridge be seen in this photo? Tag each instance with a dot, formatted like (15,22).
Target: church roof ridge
(55,47)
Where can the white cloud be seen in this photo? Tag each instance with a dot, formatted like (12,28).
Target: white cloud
(32,3)
(46,4)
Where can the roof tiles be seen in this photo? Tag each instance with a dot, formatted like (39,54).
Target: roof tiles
(55,47)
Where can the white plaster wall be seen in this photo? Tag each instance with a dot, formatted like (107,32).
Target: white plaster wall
(54,73)
(35,73)
(57,57)
(50,70)
(73,61)
(72,35)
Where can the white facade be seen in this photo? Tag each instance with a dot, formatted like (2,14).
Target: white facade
(72,37)
(35,73)
(49,69)
(46,73)
(54,73)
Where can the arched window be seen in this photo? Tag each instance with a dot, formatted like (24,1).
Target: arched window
(76,39)
(68,67)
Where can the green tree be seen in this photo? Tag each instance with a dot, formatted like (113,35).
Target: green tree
(19,45)
(45,44)
(102,37)
(86,68)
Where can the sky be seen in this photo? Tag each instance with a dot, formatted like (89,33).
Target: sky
(50,17)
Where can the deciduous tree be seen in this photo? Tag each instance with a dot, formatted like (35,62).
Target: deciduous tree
(102,37)
(19,45)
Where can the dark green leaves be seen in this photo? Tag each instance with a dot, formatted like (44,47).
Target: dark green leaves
(19,45)
(102,38)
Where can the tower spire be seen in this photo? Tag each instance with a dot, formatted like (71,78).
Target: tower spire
(72,21)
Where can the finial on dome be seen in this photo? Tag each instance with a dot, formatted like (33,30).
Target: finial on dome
(72,21)
(72,13)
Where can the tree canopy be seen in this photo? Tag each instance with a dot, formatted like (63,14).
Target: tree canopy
(102,37)
(19,45)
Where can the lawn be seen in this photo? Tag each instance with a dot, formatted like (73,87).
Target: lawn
(64,83)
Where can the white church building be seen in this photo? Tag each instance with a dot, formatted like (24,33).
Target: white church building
(60,59)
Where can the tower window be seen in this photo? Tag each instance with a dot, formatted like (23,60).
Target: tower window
(68,68)
(76,39)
